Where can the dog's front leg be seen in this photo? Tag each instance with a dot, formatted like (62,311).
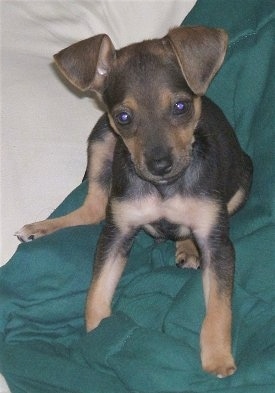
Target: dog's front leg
(218,270)
(111,257)
(101,146)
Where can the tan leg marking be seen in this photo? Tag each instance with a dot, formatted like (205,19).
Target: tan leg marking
(98,153)
(235,201)
(91,212)
(98,305)
(187,255)
(93,209)
(215,337)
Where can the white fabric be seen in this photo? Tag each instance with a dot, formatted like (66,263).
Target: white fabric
(44,124)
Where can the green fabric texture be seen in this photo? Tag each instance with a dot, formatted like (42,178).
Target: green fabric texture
(150,343)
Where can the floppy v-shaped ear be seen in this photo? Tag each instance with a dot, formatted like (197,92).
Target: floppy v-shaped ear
(200,52)
(87,63)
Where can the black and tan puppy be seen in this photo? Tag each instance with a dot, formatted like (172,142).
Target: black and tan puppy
(163,158)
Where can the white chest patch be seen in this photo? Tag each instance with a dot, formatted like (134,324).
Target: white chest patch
(195,214)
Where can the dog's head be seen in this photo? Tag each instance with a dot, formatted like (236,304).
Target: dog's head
(152,91)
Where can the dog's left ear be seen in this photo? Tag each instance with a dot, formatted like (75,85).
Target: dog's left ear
(200,52)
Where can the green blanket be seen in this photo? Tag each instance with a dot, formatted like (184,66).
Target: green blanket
(151,342)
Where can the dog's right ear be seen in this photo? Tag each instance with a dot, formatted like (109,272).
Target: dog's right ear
(87,63)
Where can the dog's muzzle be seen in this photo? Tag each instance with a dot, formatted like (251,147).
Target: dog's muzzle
(160,166)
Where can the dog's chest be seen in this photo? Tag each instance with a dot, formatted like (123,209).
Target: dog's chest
(173,218)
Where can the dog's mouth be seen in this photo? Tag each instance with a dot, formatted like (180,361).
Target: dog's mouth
(167,179)
(164,173)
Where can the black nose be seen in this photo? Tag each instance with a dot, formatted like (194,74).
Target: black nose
(160,166)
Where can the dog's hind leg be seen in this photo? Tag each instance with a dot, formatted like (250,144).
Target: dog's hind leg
(101,145)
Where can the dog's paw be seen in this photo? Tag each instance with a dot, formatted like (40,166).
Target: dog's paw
(215,339)
(30,232)
(220,364)
(187,255)
(185,261)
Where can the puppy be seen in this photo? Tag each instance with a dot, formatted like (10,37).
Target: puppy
(163,158)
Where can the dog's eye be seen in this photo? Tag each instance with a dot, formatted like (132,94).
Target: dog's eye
(179,108)
(124,118)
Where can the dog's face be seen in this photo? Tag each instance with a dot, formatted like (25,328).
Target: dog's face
(153,110)
(152,92)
